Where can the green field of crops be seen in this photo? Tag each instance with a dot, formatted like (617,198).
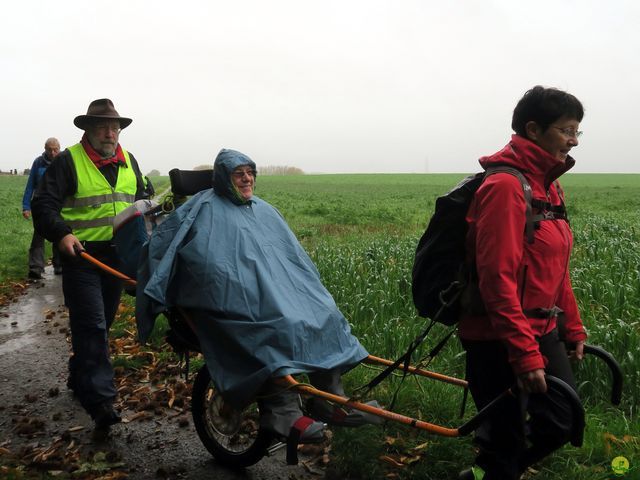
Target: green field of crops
(361,230)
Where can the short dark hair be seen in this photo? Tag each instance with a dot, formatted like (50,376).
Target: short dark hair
(544,106)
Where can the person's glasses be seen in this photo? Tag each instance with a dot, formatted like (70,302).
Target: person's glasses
(108,128)
(569,132)
(242,173)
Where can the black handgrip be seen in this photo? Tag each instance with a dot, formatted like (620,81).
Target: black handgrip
(614,367)
(577,410)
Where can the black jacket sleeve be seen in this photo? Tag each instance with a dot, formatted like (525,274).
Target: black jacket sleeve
(141,187)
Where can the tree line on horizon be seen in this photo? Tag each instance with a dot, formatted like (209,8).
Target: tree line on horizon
(266,170)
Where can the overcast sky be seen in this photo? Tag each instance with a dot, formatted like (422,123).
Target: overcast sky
(326,86)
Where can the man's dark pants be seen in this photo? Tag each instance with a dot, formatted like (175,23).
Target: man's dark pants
(36,255)
(527,428)
(92,297)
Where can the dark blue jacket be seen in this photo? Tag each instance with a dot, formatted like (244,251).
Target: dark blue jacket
(38,168)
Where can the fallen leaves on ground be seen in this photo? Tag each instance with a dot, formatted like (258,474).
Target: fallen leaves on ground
(318,453)
(29,426)
(100,462)
(148,382)
(9,293)
(148,387)
(403,455)
(63,457)
(611,441)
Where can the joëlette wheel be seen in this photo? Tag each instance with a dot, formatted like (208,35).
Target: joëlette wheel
(233,437)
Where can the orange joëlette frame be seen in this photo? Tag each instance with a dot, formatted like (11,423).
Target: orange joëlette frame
(289,382)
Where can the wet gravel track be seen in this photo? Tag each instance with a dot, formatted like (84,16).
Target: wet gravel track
(33,357)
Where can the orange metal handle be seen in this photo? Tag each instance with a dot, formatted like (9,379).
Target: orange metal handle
(418,371)
(289,381)
(108,269)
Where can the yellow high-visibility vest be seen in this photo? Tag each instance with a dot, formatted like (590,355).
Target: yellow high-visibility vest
(90,212)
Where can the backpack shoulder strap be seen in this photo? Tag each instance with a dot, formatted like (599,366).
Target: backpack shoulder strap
(526,189)
(549,211)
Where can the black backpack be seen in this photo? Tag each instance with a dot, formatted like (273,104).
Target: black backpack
(441,280)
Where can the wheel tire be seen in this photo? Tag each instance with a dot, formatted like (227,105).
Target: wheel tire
(235,439)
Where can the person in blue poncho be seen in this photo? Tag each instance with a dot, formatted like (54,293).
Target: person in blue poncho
(255,297)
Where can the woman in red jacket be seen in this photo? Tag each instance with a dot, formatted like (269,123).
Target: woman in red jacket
(524,286)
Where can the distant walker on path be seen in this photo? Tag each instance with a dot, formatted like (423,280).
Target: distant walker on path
(36,250)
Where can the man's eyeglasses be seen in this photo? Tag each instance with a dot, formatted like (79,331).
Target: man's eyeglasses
(108,128)
(569,132)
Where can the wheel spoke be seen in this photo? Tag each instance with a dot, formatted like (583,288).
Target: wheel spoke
(233,429)
(232,436)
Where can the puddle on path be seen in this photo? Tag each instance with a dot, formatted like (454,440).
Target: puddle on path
(30,310)
(17,343)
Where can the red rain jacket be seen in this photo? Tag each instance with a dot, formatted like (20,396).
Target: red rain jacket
(515,275)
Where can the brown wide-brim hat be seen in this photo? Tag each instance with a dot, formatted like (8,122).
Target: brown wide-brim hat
(101,109)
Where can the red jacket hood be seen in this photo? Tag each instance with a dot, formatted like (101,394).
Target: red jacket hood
(537,164)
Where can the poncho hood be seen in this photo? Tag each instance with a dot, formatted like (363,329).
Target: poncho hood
(225,163)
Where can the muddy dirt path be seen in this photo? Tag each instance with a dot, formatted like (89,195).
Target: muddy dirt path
(41,425)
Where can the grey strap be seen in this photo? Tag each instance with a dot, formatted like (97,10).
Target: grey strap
(526,188)
(96,222)
(97,200)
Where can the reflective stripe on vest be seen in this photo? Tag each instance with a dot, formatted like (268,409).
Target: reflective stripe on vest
(90,212)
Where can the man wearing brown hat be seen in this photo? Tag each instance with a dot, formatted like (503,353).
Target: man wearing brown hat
(81,192)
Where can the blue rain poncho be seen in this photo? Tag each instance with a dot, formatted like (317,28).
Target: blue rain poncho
(255,296)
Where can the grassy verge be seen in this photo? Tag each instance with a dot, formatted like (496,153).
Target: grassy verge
(370,283)
(16,232)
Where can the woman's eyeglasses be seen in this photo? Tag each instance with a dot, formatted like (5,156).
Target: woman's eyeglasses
(569,132)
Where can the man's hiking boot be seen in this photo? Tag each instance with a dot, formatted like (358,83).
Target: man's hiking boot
(334,414)
(280,413)
(71,385)
(337,415)
(104,415)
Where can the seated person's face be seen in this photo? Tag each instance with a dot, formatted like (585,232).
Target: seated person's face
(244,180)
